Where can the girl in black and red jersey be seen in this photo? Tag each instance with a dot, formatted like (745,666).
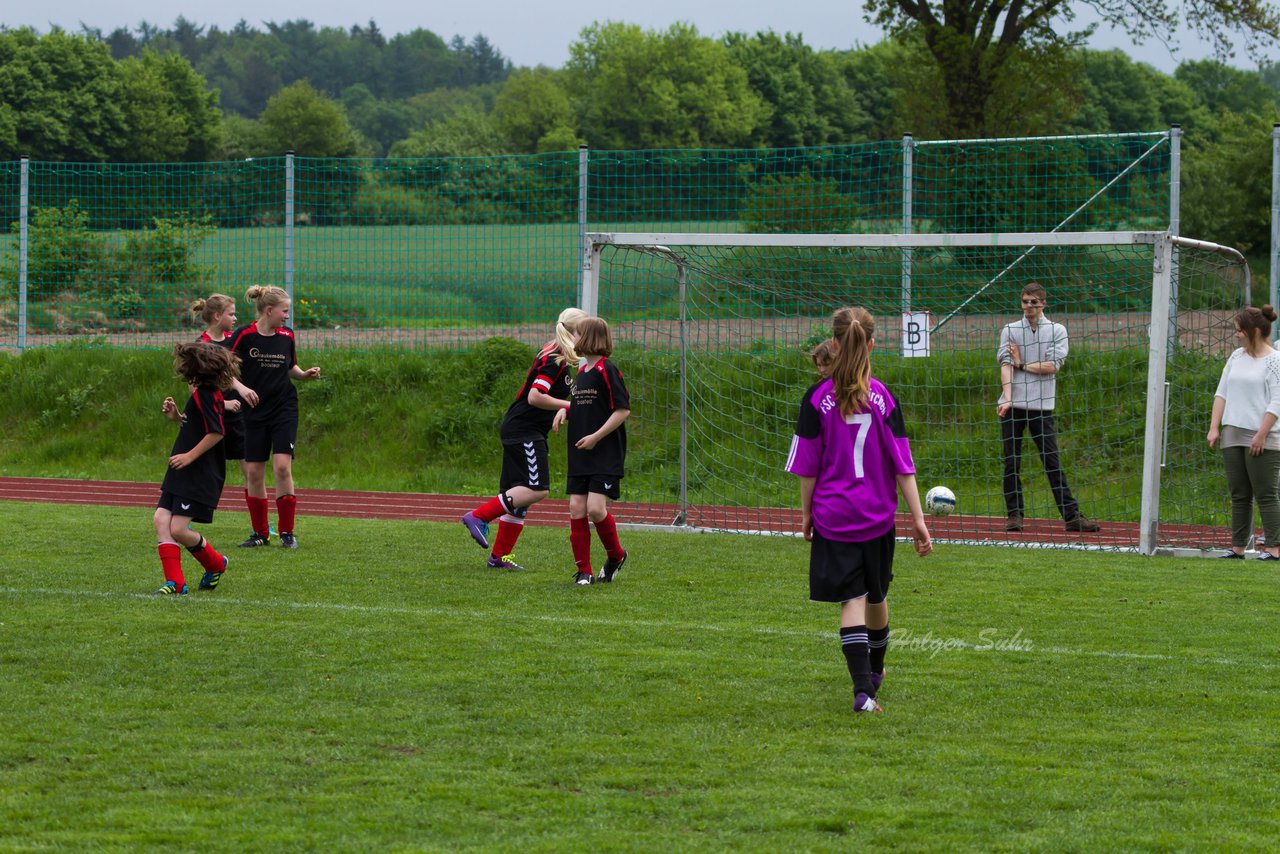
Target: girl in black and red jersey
(197,466)
(218,313)
(269,365)
(538,409)
(597,450)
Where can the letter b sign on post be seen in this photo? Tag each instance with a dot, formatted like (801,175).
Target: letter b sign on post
(915,334)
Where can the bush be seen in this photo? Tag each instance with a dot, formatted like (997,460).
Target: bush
(799,204)
(63,253)
(75,270)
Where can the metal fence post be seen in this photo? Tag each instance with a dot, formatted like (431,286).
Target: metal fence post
(1275,218)
(288,224)
(1175,225)
(23,201)
(908,165)
(583,258)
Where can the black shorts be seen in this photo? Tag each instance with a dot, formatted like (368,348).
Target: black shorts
(525,464)
(840,571)
(272,437)
(233,439)
(198,512)
(604,484)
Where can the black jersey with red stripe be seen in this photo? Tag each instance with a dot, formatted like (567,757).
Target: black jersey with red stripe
(598,391)
(525,422)
(265,362)
(202,480)
(226,341)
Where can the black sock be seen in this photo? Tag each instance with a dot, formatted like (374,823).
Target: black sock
(853,642)
(878,640)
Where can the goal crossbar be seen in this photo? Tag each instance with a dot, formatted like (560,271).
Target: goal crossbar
(890,241)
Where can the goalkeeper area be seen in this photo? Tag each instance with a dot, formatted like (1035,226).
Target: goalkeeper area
(725,323)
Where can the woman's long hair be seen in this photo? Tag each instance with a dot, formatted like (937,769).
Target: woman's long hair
(851,369)
(566,329)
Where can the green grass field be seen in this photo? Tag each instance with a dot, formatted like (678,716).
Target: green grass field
(379,690)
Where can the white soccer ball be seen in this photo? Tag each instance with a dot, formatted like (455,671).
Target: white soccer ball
(940,501)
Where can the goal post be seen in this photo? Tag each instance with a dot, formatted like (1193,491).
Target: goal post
(713,333)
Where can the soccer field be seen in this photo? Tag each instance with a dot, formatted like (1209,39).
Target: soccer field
(378,689)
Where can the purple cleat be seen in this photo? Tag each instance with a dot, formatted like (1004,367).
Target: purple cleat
(505,562)
(864,703)
(479,530)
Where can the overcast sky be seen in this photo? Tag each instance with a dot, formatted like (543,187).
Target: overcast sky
(528,32)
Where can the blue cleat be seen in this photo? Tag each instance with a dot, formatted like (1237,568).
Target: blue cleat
(171,589)
(210,579)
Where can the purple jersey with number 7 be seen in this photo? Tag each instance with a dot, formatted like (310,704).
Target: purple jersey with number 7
(856,460)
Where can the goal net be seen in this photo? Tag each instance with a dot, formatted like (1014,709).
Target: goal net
(713,334)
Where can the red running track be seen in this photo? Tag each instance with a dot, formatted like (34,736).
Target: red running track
(447,508)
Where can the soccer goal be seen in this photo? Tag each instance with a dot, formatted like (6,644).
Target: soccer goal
(713,334)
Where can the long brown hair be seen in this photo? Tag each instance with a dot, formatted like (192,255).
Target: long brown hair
(594,338)
(206,365)
(851,368)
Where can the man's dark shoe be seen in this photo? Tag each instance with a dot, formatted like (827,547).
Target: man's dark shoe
(1014,523)
(1083,525)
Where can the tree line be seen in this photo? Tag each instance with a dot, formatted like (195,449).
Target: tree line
(193,94)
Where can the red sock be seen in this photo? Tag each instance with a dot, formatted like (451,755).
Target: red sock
(580,539)
(258,515)
(508,533)
(208,556)
(607,531)
(489,510)
(287,510)
(171,563)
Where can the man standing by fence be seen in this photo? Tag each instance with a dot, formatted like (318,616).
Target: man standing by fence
(1032,350)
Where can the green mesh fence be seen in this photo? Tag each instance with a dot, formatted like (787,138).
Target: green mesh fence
(442,252)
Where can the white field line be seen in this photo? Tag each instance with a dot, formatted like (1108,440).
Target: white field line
(902,640)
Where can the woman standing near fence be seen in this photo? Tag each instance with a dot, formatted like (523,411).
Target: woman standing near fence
(270,365)
(1246,408)
(526,473)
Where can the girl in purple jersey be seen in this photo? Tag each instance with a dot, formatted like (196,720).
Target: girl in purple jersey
(852,456)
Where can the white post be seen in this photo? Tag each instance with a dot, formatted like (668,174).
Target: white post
(288,224)
(1275,220)
(590,302)
(1152,450)
(908,167)
(583,163)
(1175,224)
(24,198)
(682,282)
